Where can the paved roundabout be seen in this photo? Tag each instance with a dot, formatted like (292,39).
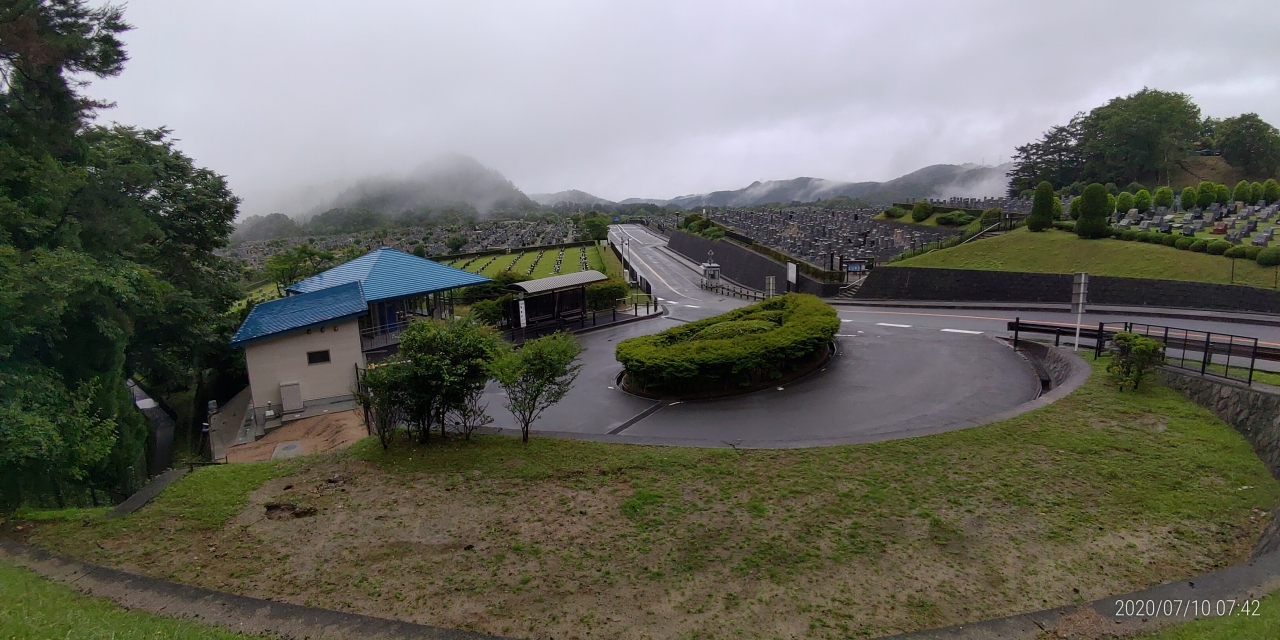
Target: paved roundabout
(884,382)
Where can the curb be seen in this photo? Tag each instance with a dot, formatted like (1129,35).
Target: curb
(1154,312)
(238,613)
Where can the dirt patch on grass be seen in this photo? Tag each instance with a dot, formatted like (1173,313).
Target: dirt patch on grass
(572,539)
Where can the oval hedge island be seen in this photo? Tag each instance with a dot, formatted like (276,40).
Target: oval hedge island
(746,349)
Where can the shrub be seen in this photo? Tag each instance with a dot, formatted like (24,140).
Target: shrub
(1128,235)
(921,211)
(1222,194)
(1041,217)
(1163,197)
(1189,198)
(1064,225)
(1271,190)
(1199,245)
(954,219)
(1256,192)
(490,312)
(1206,192)
(895,212)
(1269,257)
(1218,247)
(1252,252)
(1132,356)
(1124,202)
(1074,208)
(1243,192)
(1184,243)
(604,295)
(1168,240)
(1093,213)
(697,357)
(1142,200)
(1235,251)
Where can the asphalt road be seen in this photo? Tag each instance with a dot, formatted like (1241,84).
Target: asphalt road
(901,372)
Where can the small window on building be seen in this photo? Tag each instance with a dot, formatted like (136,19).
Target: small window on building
(317,357)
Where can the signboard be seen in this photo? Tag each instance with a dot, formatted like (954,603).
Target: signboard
(791,272)
(615,218)
(524,319)
(1079,292)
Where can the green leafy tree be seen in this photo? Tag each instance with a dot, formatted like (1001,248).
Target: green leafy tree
(921,211)
(1243,192)
(455,243)
(420,250)
(1041,217)
(895,212)
(1271,190)
(1249,142)
(1124,202)
(1163,197)
(1074,208)
(595,228)
(1134,187)
(536,376)
(446,363)
(1255,192)
(1132,357)
(1142,201)
(1092,222)
(1221,194)
(1207,193)
(108,240)
(1189,199)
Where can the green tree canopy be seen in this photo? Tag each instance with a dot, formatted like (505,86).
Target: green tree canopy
(1163,197)
(1248,142)
(1242,192)
(1041,217)
(1271,190)
(1189,199)
(1093,212)
(1142,201)
(1124,202)
(1207,193)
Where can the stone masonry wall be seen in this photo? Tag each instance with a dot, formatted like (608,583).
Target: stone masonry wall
(1254,412)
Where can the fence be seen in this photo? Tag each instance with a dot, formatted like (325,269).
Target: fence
(730,290)
(633,276)
(1008,223)
(1206,353)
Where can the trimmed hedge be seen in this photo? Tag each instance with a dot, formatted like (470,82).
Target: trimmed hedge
(1251,252)
(741,348)
(1199,245)
(1169,240)
(1218,247)
(1234,252)
(1269,257)
(1184,242)
(605,295)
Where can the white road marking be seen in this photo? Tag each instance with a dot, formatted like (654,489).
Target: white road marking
(843,320)
(692,306)
(972,333)
(890,324)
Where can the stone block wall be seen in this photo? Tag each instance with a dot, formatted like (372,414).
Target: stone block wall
(1254,412)
(745,266)
(977,285)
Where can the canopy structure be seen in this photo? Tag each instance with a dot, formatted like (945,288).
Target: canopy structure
(556,299)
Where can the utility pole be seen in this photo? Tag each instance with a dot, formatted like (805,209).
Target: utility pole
(1079,291)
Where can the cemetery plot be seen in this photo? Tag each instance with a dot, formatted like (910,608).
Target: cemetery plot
(534,263)
(822,237)
(1237,223)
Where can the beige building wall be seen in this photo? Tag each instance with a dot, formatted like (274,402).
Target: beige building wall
(283,359)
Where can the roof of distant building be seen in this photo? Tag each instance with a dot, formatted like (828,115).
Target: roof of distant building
(553,283)
(298,312)
(386,273)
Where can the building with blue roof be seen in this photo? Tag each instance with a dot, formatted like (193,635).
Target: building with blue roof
(304,349)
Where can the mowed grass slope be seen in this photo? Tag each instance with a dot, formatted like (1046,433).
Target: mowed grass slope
(1064,252)
(503,262)
(1102,492)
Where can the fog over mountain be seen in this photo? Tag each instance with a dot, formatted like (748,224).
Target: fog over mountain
(571,196)
(441,182)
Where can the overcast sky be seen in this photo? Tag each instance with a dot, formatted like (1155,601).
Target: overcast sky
(292,100)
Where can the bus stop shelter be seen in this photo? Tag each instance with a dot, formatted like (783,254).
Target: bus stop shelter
(556,300)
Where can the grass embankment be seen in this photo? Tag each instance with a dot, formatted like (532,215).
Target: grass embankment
(1100,493)
(1064,252)
(32,607)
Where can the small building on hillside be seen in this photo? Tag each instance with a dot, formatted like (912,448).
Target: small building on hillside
(303,350)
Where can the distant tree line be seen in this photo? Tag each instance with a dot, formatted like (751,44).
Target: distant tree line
(1141,137)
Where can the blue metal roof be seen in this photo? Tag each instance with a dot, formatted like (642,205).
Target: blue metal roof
(387,273)
(298,312)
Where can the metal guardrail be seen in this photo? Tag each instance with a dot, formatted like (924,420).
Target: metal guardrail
(1207,353)
(731,290)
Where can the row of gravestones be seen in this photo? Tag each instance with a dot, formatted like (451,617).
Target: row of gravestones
(1234,222)
(819,236)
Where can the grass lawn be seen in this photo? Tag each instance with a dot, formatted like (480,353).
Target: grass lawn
(1236,627)
(1100,493)
(1064,252)
(32,607)
(571,264)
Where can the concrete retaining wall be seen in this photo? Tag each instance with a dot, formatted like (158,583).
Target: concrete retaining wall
(1054,360)
(1254,412)
(745,266)
(976,285)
